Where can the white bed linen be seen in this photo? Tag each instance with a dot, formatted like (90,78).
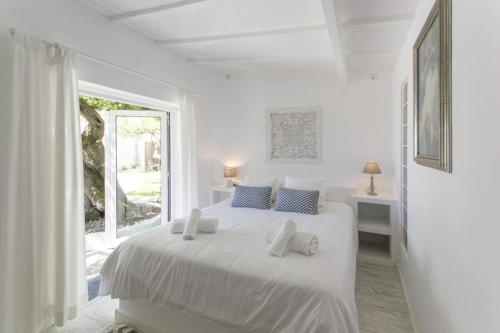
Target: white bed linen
(230,277)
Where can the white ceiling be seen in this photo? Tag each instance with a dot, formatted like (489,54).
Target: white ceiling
(354,36)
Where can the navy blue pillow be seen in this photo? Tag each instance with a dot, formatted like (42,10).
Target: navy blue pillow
(297,201)
(252,197)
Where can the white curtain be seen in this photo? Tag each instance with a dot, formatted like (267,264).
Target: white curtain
(185,158)
(42,256)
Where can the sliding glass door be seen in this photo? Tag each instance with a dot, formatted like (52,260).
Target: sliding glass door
(137,172)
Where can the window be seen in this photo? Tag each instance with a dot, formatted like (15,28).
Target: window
(137,151)
(404,163)
(126,150)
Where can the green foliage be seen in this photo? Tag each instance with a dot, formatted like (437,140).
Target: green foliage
(100,104)
(133,126)
(127,126)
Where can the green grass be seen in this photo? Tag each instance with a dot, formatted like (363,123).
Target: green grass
(140,183)
(145,193)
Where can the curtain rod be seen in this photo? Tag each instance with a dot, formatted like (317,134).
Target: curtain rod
(12,32)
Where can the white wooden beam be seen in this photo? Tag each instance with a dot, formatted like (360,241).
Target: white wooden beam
(152,10)
(371,55)
(240,35)
(376,20)
(332,22)
(228,59)
(257,58)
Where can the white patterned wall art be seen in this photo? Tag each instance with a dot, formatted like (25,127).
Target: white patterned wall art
(294,135)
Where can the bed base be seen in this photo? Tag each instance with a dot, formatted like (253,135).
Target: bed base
(150,318)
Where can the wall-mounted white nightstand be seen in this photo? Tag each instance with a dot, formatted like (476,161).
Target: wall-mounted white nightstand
(378,227)
(218,193)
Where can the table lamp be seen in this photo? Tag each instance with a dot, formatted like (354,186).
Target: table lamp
(371,168)
(229,173)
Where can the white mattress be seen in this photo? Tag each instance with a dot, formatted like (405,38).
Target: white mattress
(229,277)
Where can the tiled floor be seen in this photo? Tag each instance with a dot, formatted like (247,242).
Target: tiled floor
(381,305)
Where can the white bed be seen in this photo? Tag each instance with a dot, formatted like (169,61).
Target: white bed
(228,282)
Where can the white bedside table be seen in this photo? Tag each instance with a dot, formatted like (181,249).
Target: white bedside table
(378,227)
(218,193)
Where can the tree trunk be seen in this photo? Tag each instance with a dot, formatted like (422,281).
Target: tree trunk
(94,168)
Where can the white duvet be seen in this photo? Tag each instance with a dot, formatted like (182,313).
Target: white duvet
(231,278)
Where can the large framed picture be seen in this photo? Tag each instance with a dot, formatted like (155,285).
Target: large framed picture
(432,89)
(294,135)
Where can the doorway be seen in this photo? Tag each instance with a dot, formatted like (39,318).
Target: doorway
(126,155)
(137,172)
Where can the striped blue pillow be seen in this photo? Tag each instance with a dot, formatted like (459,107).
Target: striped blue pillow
(252,197)
(297,201)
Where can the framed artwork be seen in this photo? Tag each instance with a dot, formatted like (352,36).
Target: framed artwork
(294,135)
(432,89)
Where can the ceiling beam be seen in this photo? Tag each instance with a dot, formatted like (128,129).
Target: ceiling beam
(371,55)
(152,10)
(376,20)
(256,58)
(331,18)
(240,35)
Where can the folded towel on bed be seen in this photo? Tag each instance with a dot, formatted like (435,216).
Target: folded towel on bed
(302,242)
(205,226)
(279,246)
(192,224)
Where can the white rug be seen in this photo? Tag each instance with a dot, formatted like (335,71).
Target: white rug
(119,329)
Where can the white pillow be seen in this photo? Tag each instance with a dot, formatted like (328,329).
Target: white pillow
(307,184)
(265,182)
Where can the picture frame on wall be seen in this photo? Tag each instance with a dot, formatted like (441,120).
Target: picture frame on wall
(294,135)
(432,90)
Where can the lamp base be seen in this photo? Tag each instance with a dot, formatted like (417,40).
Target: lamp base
(372,187)
(231,182)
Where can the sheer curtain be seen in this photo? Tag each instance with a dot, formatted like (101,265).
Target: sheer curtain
(42,256)
(185,158)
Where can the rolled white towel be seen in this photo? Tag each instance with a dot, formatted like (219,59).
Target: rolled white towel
(207,225)
(279,246)
(302,242)
(192,224)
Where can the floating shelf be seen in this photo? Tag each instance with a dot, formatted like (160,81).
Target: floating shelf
(374,251)
(378,225)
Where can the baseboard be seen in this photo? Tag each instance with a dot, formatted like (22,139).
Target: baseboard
(404,257)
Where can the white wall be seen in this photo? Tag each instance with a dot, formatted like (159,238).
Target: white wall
(353,131)
(356,125)
(75,25)
(451,271)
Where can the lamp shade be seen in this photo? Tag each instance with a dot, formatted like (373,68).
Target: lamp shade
(229,172)
(371,168)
